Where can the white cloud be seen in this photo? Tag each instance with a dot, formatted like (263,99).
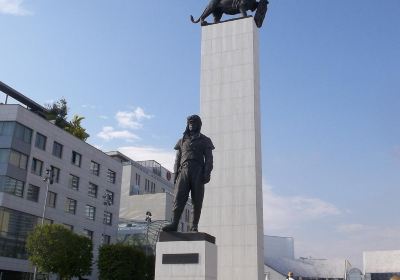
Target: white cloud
(165,158)
(287,212)
(103,117)
(351,228)
(13,7)
(133,119)
(109,133)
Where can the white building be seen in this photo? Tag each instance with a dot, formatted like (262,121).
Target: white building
(279,260)
(381,265)
(148,187)
(29,145)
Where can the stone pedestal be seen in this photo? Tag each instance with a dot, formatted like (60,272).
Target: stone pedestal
(186,256)
(230,111)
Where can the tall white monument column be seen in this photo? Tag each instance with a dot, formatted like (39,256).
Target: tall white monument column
(230,111)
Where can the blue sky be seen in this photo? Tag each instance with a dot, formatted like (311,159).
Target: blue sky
(330,99)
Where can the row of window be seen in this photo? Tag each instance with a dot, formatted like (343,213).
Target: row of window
(71,206)
(16,225)
(19,131)
(25,134)
(16,187)
(149,186)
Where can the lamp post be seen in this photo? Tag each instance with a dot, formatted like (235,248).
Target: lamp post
(49,181)
(148,220)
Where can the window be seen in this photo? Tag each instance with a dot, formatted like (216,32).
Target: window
(18,159)
(162,189)
(108,198)
(23,133)
(88,234)
(40,141)
(111,175)
(7,128)
(11,186)
(37,167)
(137,179)
(70,206)
(51,199)
(107,218)
(153,187)
(33,193)
(74,182)
(90,212)
(92,190)
(55,174)
(76,158)
(106,239)
(146,185)
(94,168)
(57,149)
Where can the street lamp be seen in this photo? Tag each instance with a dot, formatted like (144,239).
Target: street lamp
(49,179)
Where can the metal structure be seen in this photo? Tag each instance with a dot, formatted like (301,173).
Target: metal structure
(142,234)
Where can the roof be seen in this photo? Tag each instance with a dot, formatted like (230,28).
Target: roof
(310,268)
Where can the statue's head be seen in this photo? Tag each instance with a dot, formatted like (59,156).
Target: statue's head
(193,124)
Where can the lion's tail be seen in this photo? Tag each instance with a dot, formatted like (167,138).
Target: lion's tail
(193,20)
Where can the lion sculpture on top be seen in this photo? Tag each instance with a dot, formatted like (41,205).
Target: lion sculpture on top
(231,7)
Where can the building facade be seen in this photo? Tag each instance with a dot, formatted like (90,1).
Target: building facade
(381,265)
(83,195)
(148,187)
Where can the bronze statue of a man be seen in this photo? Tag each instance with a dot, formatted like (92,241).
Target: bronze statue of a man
(193,165)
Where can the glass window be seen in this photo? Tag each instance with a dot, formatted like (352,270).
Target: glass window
(23,133)
(55,174)
(11,186)
(94,168)
(137,179)
(74,182)
(146,185)
(70,205)
(90,212)
(108,198)
(57,149)
(18,159)
(14,228)
(37,167)
(76,158)
(106,239)
(4,155)
(111,176)
(33,193)
(40,141)
(7,128)
(51,199)
(107,218)
(92,190)
(153,187)
(88,233)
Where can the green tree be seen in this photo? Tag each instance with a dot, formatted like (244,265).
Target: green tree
(124,262)
(74,127)
(58,112)
(56,249)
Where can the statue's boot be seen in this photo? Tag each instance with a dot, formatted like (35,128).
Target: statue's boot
(175,222)
(196,218)
(194,228)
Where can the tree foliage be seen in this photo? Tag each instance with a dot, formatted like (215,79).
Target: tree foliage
(74,127)
(58,112)
(124,262)
(56,249)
